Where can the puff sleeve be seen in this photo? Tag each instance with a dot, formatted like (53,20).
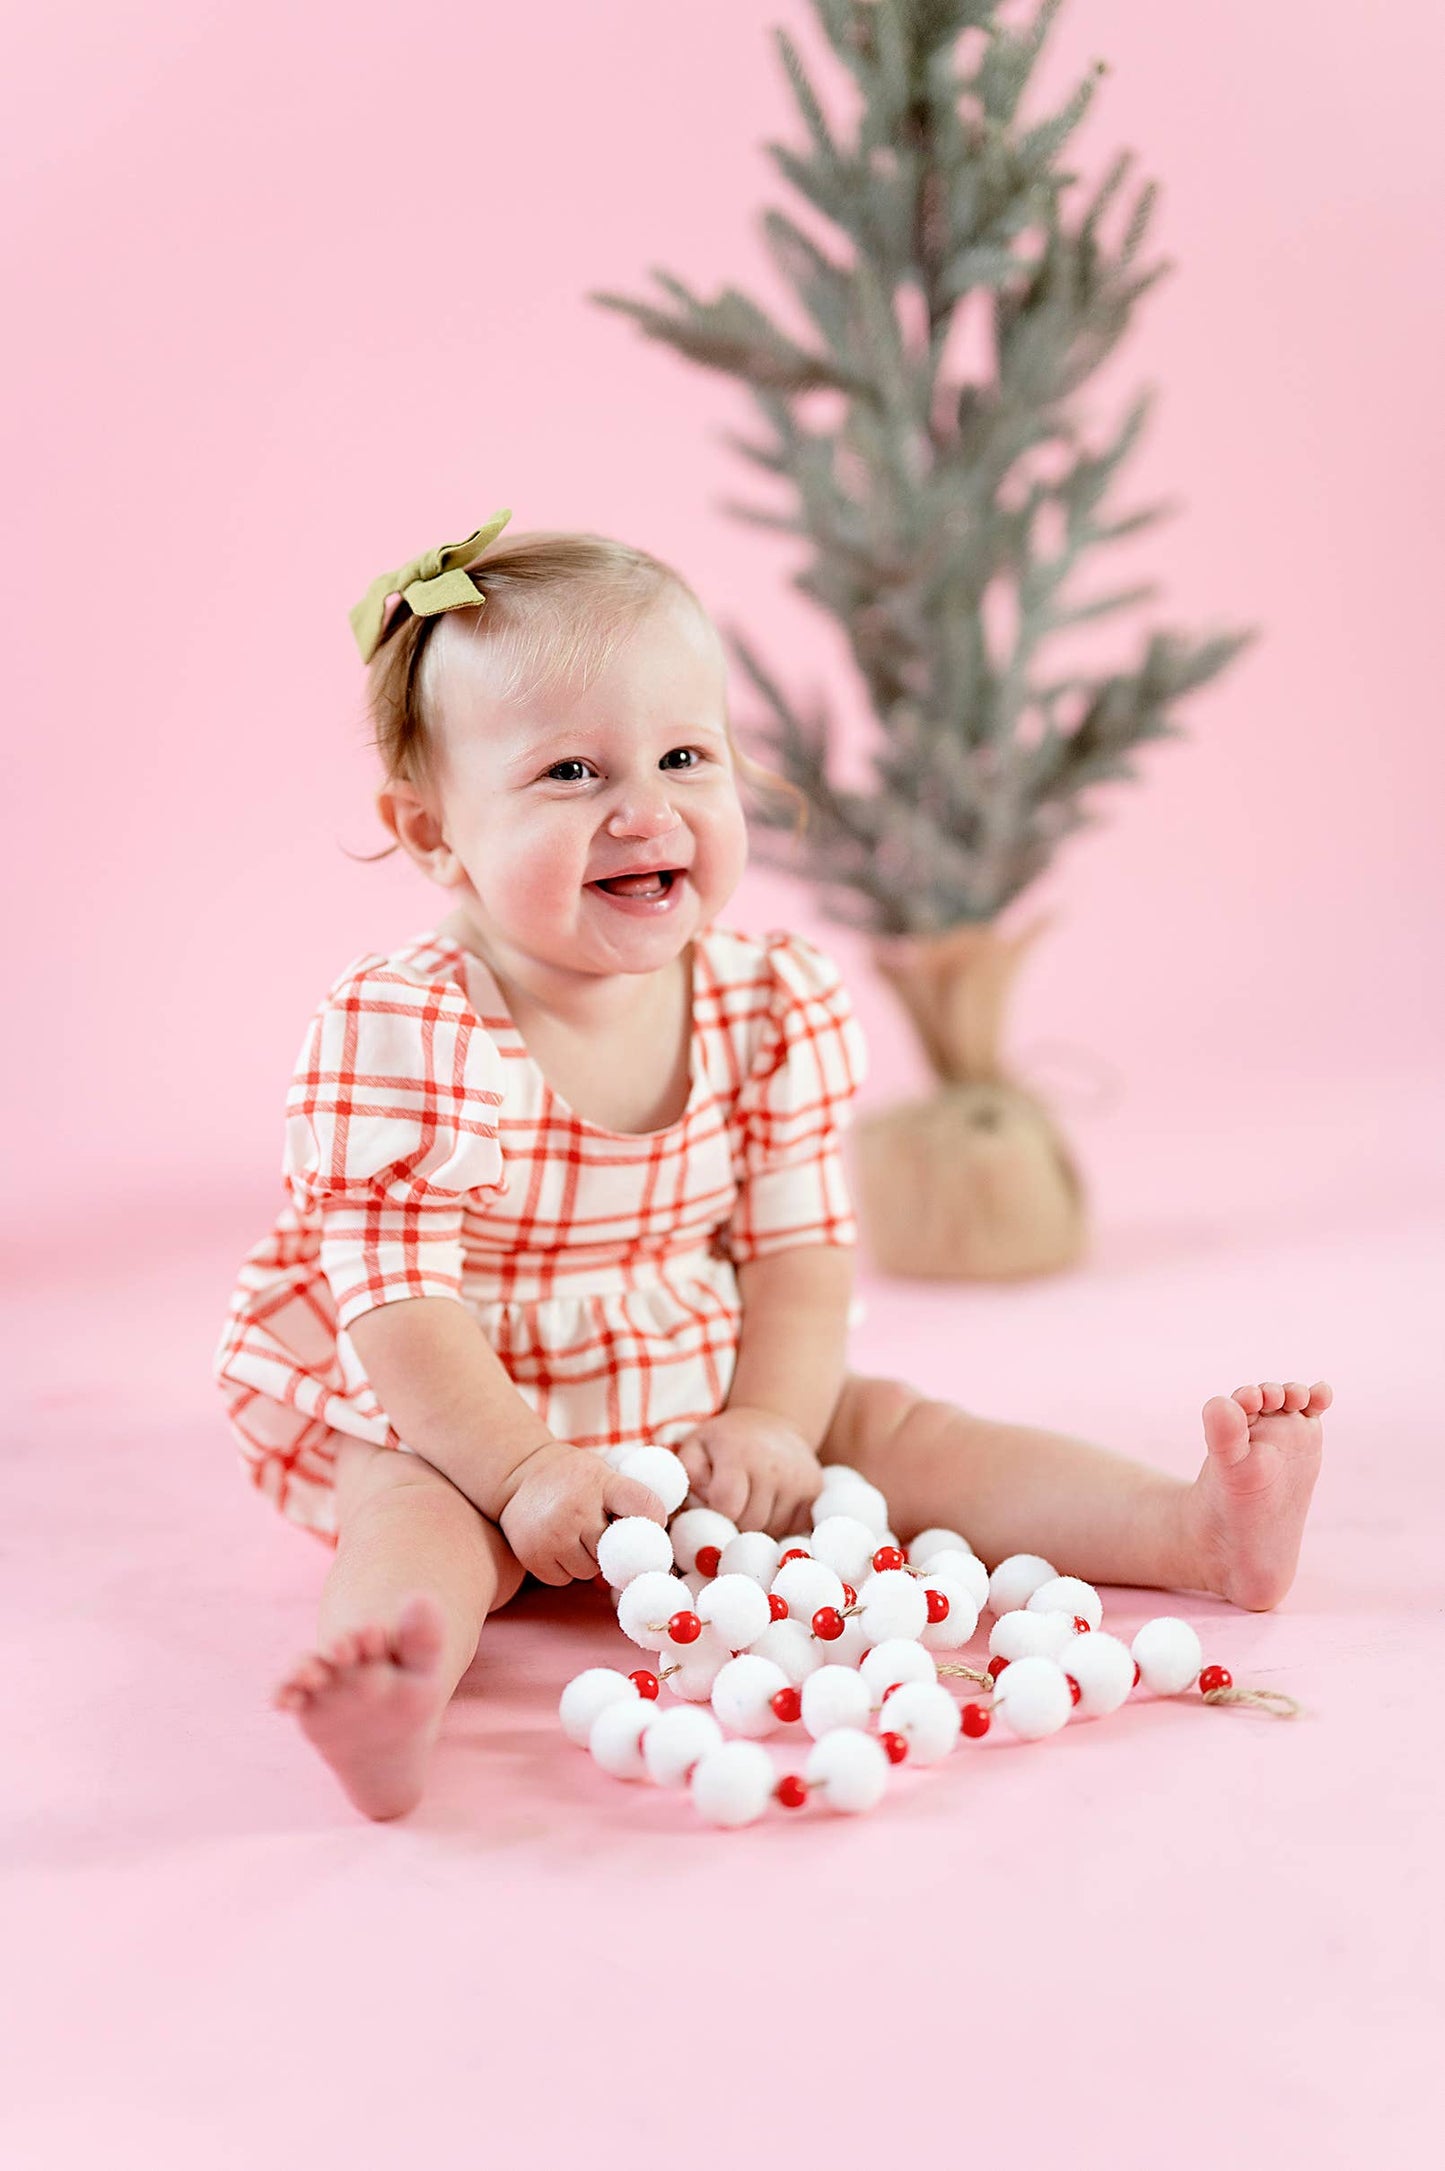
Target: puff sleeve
(795,1104)
(391,1122)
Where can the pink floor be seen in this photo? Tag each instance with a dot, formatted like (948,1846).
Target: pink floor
(1179,1938)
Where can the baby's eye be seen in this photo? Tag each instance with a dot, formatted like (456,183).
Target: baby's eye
(571,762)
(694,752)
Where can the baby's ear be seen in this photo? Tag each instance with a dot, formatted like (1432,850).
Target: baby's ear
(417,828)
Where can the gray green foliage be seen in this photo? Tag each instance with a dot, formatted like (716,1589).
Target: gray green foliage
(920,494)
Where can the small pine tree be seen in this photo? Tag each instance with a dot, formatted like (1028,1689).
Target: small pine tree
(945,518)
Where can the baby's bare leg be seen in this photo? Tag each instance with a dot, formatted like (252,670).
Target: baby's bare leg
(1018,1489)
(416,1572)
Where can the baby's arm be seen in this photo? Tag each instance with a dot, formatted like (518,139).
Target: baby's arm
(451,1399)
(792,1349)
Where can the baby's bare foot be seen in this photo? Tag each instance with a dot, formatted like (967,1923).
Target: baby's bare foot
(371,1702)
(1246,1513)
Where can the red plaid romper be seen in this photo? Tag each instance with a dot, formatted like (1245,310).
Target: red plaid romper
(427,1155)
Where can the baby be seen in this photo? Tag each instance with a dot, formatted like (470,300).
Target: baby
(565,1173)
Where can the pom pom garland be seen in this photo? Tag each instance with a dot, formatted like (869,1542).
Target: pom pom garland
(1168,1656)
(1015,1580)
(1025,1634)
(660,1471)
(1066,1594)
(695,1528)
(736,1608)
(631,1545)
(839,1640)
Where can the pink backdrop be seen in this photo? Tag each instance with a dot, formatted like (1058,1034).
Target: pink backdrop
(295,291)
(302,293)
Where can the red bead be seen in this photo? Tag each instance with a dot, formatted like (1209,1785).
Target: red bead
(709,1559)
(895,1747)
(886,1557)
(850,1596)
(645,1683)
(937,1607)
(995,1667)
(787,1706)
(1138,1677)
(794,1552)
(792,1792)
(1081,1626)
(1075,1692)
(1214,1677)
(889,1691)
(778,1607)
(684,1628)
(976,1721)
(828,1624)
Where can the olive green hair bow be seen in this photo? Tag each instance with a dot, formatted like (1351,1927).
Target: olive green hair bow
(431,583)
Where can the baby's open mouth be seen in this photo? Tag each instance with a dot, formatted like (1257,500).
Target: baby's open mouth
(656,884)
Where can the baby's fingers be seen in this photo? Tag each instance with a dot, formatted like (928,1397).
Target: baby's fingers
(695,1460)
(625,1496)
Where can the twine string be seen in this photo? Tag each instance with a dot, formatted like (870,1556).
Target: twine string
(1273,1701)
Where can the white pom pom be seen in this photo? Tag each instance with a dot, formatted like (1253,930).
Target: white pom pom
(695,1528)
(929,1542)
(752,1553)
(845,1545)
(588,1693)
(849,1770)
(893,1605)
(1032,1696)
(692,1668)
(851,1648)
(660,1471)
(926,1716)
(805,1585)
(800,1542)
(1025,1635)
(737,1608)
(616,1737)
(851,1495)
(965,1569)
(1067,1594)
(1015,1580)
(733,1785)
(742,1695)
(899,1659)
(676,1740)
(1104,1670)
(792,1646)
(1168,1655)
(629,1547)
(960,1621)
(649,1598)
(835,1696)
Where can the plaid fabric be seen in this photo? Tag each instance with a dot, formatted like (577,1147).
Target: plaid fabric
(427,1155)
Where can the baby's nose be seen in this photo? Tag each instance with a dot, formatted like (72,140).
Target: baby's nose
(643,814)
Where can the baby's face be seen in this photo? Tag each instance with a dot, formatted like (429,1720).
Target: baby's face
(544,799)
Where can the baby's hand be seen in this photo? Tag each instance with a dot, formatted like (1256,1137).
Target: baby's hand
(754,1468)
(559,1506)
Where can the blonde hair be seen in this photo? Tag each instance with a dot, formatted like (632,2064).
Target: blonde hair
(558,607)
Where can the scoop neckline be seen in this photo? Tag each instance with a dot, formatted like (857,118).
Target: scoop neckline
(472,965)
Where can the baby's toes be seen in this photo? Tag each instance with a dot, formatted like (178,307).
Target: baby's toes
(303,1682)
(1296,1395)
(1250,1400)
(372,1644)
(345,1650)
(1226,1430)
(1321,1396)
(1273,1394)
